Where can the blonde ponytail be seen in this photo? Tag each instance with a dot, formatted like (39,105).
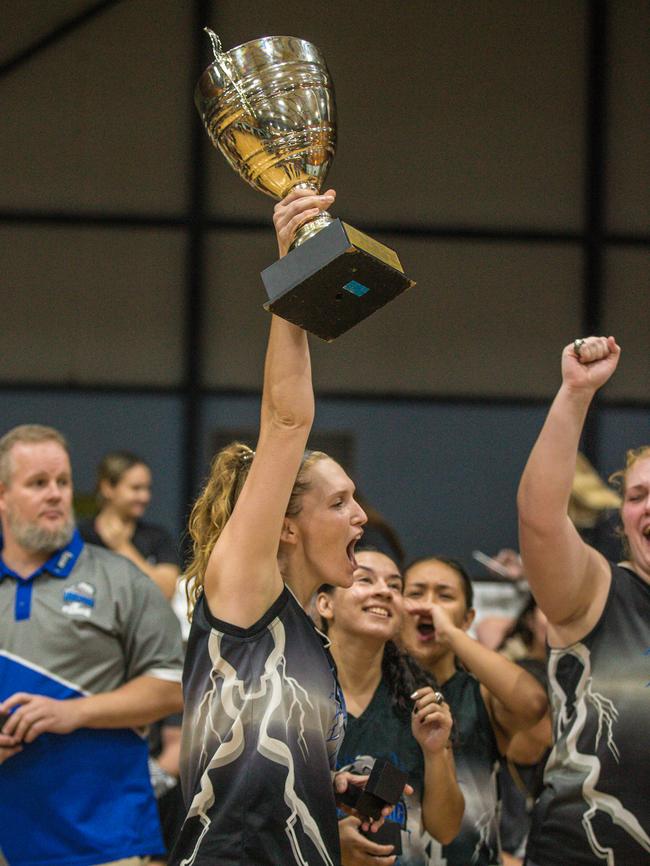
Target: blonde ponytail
(212,510)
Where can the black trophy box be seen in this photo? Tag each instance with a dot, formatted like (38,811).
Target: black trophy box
(390,833)
(333,281)
(384,787)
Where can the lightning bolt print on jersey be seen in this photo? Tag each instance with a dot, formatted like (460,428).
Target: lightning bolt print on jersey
(594,808)
(264,717)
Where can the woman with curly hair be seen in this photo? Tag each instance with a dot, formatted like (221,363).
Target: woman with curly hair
(394,711)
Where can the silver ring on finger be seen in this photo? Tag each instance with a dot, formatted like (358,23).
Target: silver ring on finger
(438,697)
(577,346)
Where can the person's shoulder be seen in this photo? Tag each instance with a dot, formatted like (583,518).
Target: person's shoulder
(102,555)
(284,609)
(625,573)
(629,594)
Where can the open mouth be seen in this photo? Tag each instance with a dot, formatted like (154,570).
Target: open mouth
(350,553)
(426,629)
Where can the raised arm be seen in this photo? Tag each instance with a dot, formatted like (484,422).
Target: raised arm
(243,578)
(514,699)
(569,579)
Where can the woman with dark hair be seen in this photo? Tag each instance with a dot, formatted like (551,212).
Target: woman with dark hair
(123,494)
(594,806)
(263,711)
(491,699)
(394,711)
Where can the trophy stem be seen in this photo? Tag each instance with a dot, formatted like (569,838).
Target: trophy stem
(310,228)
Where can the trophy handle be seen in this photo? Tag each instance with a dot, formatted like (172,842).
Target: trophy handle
(312,226)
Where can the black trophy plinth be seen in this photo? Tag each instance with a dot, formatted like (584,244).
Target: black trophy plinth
(390,833)
(334,280)
(384,787)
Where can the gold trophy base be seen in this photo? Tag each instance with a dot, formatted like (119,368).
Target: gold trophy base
(335,280)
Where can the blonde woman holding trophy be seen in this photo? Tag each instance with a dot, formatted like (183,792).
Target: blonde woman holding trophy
(263,710)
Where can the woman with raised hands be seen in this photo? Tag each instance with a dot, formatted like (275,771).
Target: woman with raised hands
(490,697)
(394,711)
(263,712)
(594,806)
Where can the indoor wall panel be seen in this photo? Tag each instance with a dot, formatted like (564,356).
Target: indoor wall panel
(628,170)
(101,120)
(459,113)
(627,316)
(90,306)
(621,429)
(23,24)
(485,319)
(235,327)
(445,475)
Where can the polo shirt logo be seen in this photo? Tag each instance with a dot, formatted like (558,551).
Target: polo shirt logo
(64,559)
(79,599)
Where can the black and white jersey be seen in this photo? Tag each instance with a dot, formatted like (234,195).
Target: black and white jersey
(263,719)
(595,806)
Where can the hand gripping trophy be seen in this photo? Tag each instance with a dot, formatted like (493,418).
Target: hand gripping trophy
(268,105)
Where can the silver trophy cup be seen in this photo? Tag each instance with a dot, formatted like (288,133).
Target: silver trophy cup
(269,107)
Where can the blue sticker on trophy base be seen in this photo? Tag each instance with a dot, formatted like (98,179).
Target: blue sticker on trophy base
(356,288)
(336,279)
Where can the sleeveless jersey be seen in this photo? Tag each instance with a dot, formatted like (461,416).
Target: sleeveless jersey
(382,731)
(477,762)
(595,806)
(263,719)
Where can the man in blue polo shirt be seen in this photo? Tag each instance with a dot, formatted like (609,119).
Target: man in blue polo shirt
(89,653)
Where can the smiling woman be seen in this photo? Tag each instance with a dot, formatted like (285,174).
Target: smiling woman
(123,494)
(393,712)
(634,483)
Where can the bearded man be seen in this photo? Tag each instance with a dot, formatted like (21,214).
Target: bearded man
(90,653)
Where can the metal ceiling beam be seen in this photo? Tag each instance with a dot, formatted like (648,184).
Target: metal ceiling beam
(56,35)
